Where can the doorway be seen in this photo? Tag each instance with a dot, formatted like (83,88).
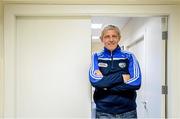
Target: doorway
(13,11)
(143,37)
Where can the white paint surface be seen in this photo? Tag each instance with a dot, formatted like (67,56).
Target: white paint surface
(150,53)
(52,56)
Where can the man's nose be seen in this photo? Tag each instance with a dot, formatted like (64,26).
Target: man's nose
(111,39)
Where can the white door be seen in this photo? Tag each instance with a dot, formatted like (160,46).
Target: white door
(155,69)
(138,49)
(52,56)
(150,52)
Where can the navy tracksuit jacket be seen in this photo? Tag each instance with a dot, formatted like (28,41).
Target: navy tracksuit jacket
(113,95)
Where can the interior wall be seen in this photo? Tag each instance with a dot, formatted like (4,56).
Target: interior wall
(115,2)
(50,63)
(96,46)
(173,48)
(133,30)
(174,64)
(1,59)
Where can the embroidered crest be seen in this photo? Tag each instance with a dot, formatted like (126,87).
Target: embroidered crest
(122,65)
(102,64)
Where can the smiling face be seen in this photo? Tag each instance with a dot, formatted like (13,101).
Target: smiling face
(110,38)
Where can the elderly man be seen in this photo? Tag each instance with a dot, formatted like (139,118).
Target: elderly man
(116,76)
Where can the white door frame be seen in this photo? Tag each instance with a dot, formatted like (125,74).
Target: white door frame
(12,11)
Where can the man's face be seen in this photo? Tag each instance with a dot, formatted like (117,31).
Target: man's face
(110,39)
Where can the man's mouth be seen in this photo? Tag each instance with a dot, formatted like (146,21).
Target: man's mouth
(111,44)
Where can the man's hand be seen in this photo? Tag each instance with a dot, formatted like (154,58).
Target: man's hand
(98,72)
(126,77)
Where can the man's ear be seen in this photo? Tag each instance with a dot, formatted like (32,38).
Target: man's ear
(101,39)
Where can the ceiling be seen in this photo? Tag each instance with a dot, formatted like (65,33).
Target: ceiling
(118,21)
(104,2)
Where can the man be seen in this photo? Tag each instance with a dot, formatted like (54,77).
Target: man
(116,76)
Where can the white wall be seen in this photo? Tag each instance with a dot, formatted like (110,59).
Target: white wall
(43,64)
(43,59)
(134,29)
(174,64)
(173,42)
(97,1)
(1,59)
(96,46)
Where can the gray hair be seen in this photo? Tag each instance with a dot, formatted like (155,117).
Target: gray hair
(110,27)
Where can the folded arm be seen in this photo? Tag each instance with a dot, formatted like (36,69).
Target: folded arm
(98,80)
(134,81)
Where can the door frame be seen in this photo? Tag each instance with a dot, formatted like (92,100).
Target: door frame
(12,11)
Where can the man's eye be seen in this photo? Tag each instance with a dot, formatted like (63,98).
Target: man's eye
(114,36)
(106,37)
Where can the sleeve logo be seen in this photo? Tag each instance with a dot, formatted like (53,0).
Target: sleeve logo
(122,65)
(102,64)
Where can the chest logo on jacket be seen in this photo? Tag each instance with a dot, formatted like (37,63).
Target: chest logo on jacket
(102,64)
(122,65)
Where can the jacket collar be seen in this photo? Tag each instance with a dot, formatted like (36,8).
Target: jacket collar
(117,49)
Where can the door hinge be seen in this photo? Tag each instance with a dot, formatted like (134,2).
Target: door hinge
(164,89)
(164,27)
(164,35)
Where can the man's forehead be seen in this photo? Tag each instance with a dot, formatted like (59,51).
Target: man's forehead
(111,32)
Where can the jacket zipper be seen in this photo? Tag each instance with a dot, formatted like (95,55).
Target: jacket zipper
(111,60)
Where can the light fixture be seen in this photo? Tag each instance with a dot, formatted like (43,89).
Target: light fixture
(95,37)
(96,26)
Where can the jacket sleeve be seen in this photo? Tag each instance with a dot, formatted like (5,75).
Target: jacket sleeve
(102,81)
(134,82)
